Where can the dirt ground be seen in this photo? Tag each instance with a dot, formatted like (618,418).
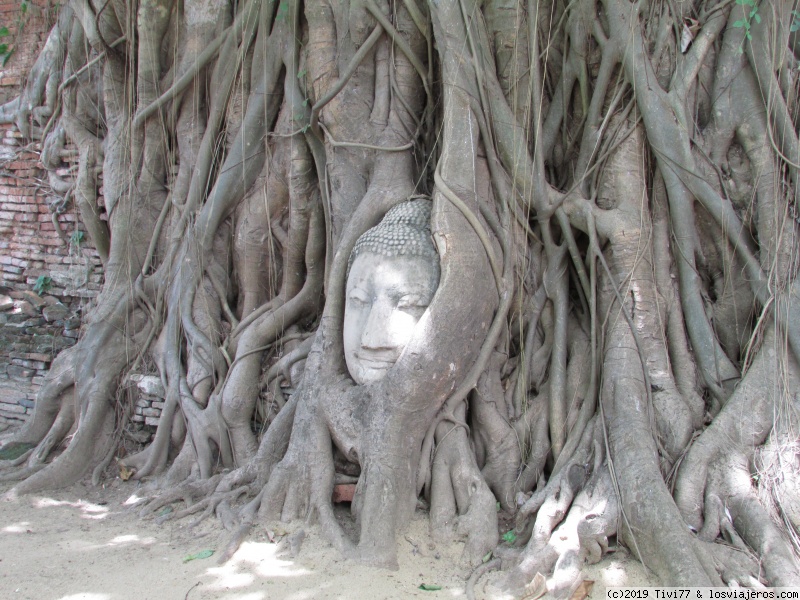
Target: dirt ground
(89,543)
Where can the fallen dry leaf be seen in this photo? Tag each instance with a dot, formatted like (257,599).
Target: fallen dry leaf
(536,588)
(125,473)
(583,590)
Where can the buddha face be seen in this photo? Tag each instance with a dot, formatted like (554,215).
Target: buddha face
(386,297)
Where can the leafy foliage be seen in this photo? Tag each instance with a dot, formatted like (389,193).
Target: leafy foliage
(43,283)
(77,238)
(747,22)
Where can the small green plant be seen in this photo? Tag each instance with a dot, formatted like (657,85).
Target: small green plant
(42,285)
(747,22)
(5,50)
(509,536)
(77,238)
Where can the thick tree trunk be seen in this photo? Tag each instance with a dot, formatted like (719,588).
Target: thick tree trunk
(613,342)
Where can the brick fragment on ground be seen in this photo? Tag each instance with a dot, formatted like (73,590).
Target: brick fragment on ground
(343,492)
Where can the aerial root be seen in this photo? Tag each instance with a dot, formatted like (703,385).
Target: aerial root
(736,566)
(21,474)
(10,464)
(247,516)
(235,541)
(479,571)
(213,504)
(189,491)
(572,527)
(717,522)
(460,495)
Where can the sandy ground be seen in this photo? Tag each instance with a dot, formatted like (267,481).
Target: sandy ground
(86,543)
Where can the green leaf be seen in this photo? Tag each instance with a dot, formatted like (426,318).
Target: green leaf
(3,48)
(487,556)
(4,31)
(76,238)
(757,17)
(201,554)
(794,27)
(23,7)
(738,24)
(429,587)
(497,507)
(7,56)
(305,102)
(42,284)
(509,536)
(301,74)
(165,511)
(748,35)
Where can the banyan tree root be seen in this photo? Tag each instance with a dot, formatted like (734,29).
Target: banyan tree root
(575,515)
(614,211)
(462,504)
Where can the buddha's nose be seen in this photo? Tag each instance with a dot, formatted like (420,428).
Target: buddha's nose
(378,333)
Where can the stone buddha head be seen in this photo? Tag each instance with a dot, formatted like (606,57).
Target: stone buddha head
(392,276)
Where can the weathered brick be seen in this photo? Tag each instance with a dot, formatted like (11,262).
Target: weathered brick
(30,246)
(343,492)
(18,373)
(17,164)
(28,364)
(148,384)
(18,206)
(31,356)
(11,408)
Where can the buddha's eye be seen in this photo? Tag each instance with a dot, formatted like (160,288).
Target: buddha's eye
(412,304)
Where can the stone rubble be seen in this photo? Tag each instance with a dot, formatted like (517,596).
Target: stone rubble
(29,342)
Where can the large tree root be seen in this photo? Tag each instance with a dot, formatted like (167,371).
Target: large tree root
(576,513)
(461,502)
(716,472)
(246,146)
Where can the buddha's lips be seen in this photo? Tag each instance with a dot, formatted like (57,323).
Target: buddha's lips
(375,362)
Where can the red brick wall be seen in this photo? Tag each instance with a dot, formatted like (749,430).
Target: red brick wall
(30,246)
(28,31)
(35,327)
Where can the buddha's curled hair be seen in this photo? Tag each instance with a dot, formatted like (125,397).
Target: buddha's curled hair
(405,230)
